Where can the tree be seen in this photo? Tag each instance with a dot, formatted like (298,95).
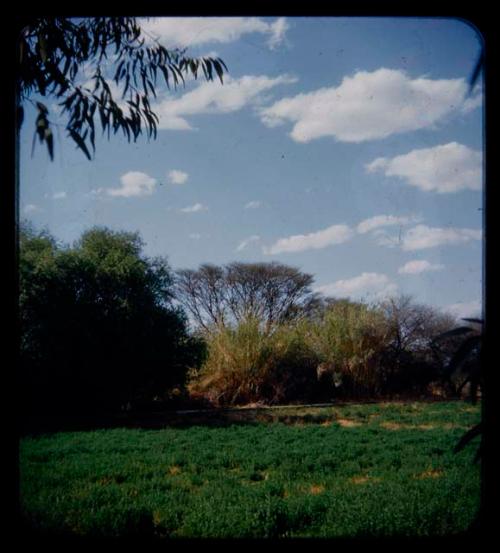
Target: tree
(53,53)
(411,360)
(98,329)
(269,292)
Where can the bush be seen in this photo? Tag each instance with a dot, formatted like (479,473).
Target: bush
(349,339)
(246,364)
(98,330)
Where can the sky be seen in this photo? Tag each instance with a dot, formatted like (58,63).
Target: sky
(349,148)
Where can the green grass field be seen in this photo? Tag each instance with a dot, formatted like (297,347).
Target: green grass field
(359,470)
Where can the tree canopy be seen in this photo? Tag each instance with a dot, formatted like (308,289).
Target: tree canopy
(80,62)
(98,329)
(219,295)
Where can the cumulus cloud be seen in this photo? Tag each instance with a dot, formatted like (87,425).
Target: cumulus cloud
(194,208)
(278,30)
(379,221)
(370,105)
(59,195)
(254,204)
(472,309)
(244,243)
(367,286)
(422,237)
(194,31)
(418,266)
(446,168)
(177,177)
(133,184)
(211,97)
(336,234)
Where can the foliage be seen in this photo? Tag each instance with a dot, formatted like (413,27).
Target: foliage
(340,349)
(349,339)
(259,480)
(97,326)
(245,364)
(467,360)
(218,295)
(111,53)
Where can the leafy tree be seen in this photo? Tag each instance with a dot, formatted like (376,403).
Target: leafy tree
(98,329)
(113,53)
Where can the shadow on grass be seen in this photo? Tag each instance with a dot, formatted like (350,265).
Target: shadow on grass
(148,420)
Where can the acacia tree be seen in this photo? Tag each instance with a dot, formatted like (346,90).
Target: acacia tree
(53,54)
(269,292)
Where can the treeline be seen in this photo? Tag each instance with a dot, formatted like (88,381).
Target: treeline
(105,328)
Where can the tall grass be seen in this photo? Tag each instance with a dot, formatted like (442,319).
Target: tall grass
(349,339)
(302,360)
(248,363)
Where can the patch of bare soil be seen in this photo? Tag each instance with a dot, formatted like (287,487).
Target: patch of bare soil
(391,425)
(430,473)
(346,423)
(363,479)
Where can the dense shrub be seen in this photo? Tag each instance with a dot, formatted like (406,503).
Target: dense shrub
(349,338)
(347,350)
(245,363)
(98,331)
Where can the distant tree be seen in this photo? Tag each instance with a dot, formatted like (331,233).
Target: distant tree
(411,360)
(55,51)
(98,329)
(218,295)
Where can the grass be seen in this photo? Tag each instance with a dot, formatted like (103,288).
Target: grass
(308,473)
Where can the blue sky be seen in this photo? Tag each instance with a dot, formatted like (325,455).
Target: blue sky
(347,147)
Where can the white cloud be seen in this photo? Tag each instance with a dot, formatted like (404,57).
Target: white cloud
(367,286)
(336,234)
(31,208)
(134,184)
(194,208)
(195,236)
(244,243)
(278,30)
(370,105)
(446,168)
(378,221)
(472,309)
(193,31)
(59,195)
(177,177)
(211,97)
(254,204)
(418,266)
(422,237)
